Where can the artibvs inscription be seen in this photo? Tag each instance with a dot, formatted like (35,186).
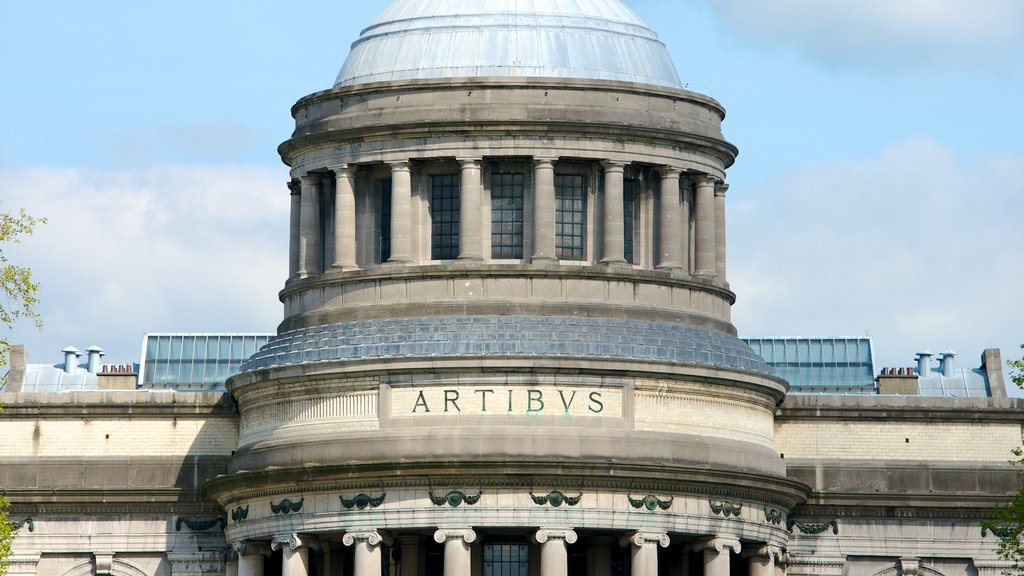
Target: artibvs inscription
(524,400)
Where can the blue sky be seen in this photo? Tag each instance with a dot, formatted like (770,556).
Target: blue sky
(878,191)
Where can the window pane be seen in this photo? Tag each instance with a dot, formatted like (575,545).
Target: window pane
(506,216)
(384,196)
(570,199)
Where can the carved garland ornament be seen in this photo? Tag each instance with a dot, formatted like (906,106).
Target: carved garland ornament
(287,506)
(455,498)
(362,501)
(556,498)
(26,522)
(726,508)
(238,514)
(650,502)
(200,524)
(773,516)
(813,529)
(999,531)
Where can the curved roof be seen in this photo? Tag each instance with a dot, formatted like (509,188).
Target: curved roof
(587,39)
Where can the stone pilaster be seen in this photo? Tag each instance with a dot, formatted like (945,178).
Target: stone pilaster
(763,559)
(613,246)
(294,263)
(544,210)
(344,217)
(720,240)
(705,225)
(716,555)
(401,213)
(470,191)
(295,554)
(310,258)
(366,548)
(670,225)
(644,550)
(554,558)
(458,559)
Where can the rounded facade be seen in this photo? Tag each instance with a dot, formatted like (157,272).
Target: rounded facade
(507,323)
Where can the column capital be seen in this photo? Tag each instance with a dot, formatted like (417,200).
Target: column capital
(400,166)
(295,187)
(719,545)
(613,165)
(670,171)
(909,566)
(310,178)
(722,189)
(707,180)
(544,162)
(639,539)
(442,535)
(250,547)
(343,170)
(371,537)
(291,540)
(470,162)
(545,534)
(766,551)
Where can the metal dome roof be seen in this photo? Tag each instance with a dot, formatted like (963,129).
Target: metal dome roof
(587,39)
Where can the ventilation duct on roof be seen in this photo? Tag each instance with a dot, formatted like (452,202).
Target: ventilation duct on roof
(924,364)
(95,353)
(948,361)
(71,355)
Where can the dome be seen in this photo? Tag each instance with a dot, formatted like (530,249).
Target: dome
(585,39)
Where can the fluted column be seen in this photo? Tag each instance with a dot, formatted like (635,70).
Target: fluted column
(670,225)
(644,548)
(344,217)
(366,548)
(554,558)
(716,555)
(250,557)
(293,228)
(295,555)
(613,248)
(310,260)
(401,212)
(720,230)
(706,235)
(470,190)
(458,558)
(544,210)
(763,559)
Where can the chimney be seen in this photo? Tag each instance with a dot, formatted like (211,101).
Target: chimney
(16,375)
(948,361)
(71,355)
(95,353)
(924,364)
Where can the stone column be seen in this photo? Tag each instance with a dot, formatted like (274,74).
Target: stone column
(250,557)
(613,248)
(470,190)
(554,558)
(458,558)
(716,555)
(599,555)
(763,559)
(295,555)
(670,224)
(294,263)
(366,546)
(720,230)
(644,547)
(344,217)
(706,235)
(310,260)
(544,210)
(401,213)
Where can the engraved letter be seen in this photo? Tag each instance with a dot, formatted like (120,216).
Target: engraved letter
(571,398)
(483,398)
(509,400)
(451,396)
(595,399)
(534,397)
(421,401)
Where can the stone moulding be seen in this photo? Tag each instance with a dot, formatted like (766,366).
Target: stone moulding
(362,501)
(555,498)
(22,523)
(651,502)
(239,513)
(200,524)
(725,507)
(286,506)
(454,498)
(813,529)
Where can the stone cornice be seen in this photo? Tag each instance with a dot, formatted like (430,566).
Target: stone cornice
(76,405)
(902,409)
(955,508)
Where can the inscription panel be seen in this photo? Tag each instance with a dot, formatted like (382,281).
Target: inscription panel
(506,400)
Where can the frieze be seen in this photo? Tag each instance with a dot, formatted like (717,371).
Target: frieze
(362,501)
(455,498)
(555,498)
(22,523)
(286,506)
(200,524)
(238,514)
(725,507)
(773,516)
(651,502)
(813,529)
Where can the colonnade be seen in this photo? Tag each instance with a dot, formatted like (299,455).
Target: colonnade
(672,222)
(716,553)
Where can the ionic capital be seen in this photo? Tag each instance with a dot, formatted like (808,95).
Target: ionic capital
(371,537)
(343,170)
(670,172)
(248,547)
(442,535)
(768,551)
(706,180)
(613,166)
(295,187)
(291,540)
(721,190)
(544,163)
(641,539)
(470,163)
(400,166)
(545,534)
(720,545)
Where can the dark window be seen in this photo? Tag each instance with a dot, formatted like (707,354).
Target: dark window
(390,560)
(628,197)
(505,557)
(444,217)
(507,216)
(384,193)
(570,217)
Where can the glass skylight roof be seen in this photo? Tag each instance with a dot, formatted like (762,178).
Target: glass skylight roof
(195,361)
(820,365)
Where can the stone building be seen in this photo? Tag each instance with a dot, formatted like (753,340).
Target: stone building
(507,350)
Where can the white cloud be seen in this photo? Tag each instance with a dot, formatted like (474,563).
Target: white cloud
(915,246)
(893,33)
(164,249)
